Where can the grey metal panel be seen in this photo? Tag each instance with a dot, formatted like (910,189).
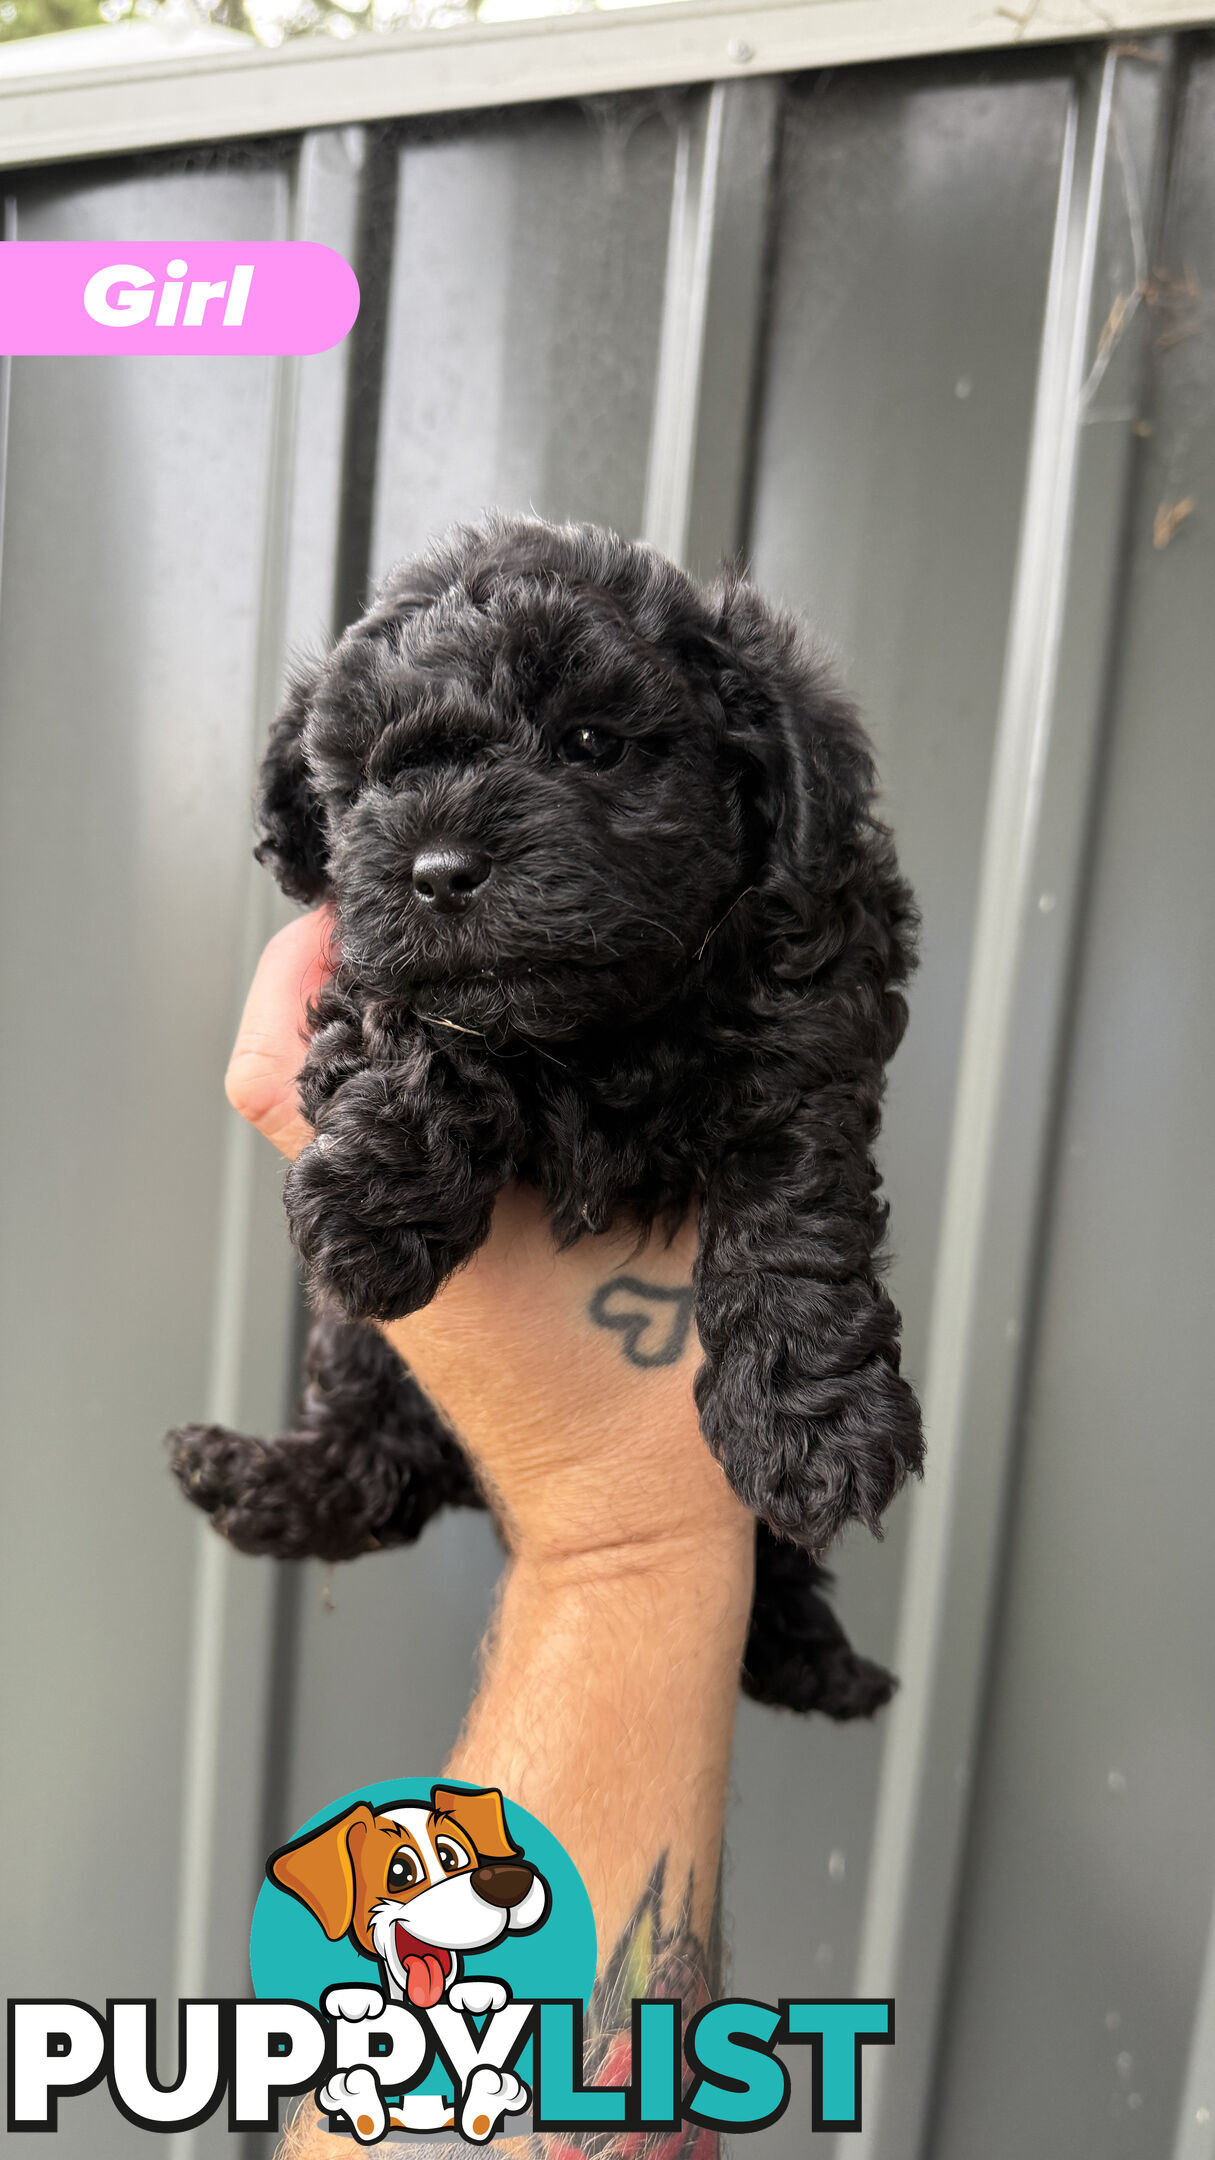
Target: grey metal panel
(909,285)
(1088,1893)
(572,323)
(526,303)
(909,281)
(1061,613)
(129,673)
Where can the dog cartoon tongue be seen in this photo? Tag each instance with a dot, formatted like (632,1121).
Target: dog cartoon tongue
(425,1966)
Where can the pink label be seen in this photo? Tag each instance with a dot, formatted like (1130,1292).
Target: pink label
(122,296)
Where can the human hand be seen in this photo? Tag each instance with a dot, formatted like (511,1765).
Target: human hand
(607,1692)
(567,1375)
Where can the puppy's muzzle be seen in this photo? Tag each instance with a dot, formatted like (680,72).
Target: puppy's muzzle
(502,1883)
(449,878)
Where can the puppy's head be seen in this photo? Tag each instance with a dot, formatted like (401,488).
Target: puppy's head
(545,770)
(416,1886)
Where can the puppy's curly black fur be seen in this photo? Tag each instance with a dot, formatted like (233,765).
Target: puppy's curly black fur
(614,914)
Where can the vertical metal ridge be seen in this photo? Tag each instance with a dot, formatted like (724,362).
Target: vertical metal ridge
(668,492)
(1194,2138)
(712,307)
(229,1314)
(204,1725)
(373,256)
(1194,2131)
(205,1686)
(986,1253)
(301,553)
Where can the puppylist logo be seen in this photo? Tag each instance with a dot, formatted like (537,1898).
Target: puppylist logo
(423,1957)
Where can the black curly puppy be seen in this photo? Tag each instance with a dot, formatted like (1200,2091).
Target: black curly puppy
(615,916)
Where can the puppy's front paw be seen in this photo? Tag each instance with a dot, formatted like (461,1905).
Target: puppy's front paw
(352,2003)
(489,2095)
(479,1996)
(863,1445)
(356,2094)
(348,1230)
(808,1449)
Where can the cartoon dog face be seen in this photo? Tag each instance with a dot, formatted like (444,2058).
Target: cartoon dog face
(415,1886)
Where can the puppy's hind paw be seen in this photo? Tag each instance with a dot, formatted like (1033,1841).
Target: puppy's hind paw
(809,1454)
(489,2095)
(356,2095)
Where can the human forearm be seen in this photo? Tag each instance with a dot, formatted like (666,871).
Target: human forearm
(607,1707)
(610,1675)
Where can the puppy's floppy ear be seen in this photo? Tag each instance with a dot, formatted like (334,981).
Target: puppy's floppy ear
(481,1814)
(829,897)
(293,842)
(320,1869)
(800,1395)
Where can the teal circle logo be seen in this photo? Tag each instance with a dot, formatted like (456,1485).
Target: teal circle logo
(336,1907)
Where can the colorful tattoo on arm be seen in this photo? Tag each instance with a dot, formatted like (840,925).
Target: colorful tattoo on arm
(656,1959)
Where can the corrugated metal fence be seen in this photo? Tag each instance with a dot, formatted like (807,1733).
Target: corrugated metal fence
(934,344)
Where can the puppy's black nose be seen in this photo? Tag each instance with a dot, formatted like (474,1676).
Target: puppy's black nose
(448,877)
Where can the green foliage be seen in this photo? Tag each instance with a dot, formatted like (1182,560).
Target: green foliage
(269,21)
(32,18)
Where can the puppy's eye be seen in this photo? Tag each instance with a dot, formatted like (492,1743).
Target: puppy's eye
(591,746)
(404,1870)
(450,1856)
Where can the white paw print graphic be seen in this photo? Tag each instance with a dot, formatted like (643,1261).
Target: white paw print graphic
(479,1996)
(353,2003)
(356,2094)
(488,2096)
